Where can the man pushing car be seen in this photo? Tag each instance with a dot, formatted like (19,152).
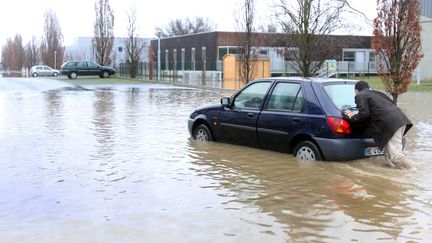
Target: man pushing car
(386,123)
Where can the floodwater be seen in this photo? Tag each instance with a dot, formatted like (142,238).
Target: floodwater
(116,164)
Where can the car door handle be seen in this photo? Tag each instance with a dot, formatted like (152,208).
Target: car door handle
(250,115)
(296,120)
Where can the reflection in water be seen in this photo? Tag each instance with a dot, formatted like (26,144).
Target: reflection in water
(103,121)
(316,201)
(113,165)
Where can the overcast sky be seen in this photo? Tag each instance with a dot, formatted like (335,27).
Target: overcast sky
(77,17)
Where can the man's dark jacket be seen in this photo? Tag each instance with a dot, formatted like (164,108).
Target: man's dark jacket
(381,116)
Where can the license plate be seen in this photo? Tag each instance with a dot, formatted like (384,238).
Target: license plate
(373,151)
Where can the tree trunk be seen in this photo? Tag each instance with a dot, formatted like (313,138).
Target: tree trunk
(395,98)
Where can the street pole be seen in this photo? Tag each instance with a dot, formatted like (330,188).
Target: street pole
(55,59)
(94,51)
(158,60)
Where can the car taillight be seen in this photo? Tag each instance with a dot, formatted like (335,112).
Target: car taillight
(339,125)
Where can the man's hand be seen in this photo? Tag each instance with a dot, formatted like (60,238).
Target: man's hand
(348,113)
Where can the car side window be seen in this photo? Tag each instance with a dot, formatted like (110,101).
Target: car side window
(71,65)
(91,65)
(82,65)
(252,97)
(286,97)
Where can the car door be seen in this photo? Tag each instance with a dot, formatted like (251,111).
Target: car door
(46,71)
(238,121)
(39,70)
(281,116)
(92,69)
(82,68)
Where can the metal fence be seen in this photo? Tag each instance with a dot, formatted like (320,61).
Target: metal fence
(212,76)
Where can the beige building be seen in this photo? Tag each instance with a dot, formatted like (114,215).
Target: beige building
(232,68)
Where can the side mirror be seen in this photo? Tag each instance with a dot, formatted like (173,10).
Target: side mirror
(225,101)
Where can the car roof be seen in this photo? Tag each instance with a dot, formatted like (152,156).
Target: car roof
(313,80)
(40,66)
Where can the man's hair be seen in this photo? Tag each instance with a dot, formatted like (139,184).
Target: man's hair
(361,85)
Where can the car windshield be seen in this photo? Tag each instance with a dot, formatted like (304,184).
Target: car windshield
(342,95)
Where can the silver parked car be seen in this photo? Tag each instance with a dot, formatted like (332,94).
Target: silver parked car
(43,70)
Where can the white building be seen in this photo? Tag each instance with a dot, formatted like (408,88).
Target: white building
(83,49)
(424,69)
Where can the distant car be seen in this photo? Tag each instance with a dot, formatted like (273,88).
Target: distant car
(73,69)
(43,70)
(292,115)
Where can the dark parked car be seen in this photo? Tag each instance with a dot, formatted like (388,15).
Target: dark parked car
(73,69)
(294,115)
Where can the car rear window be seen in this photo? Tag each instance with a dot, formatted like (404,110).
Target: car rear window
(342,95)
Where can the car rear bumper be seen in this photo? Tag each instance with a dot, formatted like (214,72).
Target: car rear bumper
(344,149)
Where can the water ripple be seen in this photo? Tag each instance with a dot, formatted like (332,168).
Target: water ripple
(122,161)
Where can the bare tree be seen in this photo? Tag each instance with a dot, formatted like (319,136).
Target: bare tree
(133,44)
(103,39)
(19,52)
(151,62)
(8,57)
(51,48)
(397,42)
(75,55)
(179,27)
(305,23)
(245,21)
(31,53)
(5,54)
(13,54)
(268,28)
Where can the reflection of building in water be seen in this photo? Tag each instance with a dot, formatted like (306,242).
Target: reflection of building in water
(103,123)
(54,104)
(314,200)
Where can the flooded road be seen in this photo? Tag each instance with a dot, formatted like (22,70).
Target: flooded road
(117,165)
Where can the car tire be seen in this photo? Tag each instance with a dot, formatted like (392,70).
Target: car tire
(55,74)
(202,133)
(35,75)
(307,150)
(73,75)
(105,74)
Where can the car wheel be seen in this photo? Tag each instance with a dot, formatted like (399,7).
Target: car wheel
(35,75)
(202,133)
(307,150)
(73,75)
(55,74)
(105,74)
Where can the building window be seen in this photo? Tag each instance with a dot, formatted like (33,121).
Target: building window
(222,51)
(234,50)
(289,54)
(348,56)
(183,54)
(193,59)
(166,60)
(263,52)
(120,49)
(372,57)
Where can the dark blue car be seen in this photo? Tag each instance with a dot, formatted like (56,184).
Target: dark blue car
(294,115)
